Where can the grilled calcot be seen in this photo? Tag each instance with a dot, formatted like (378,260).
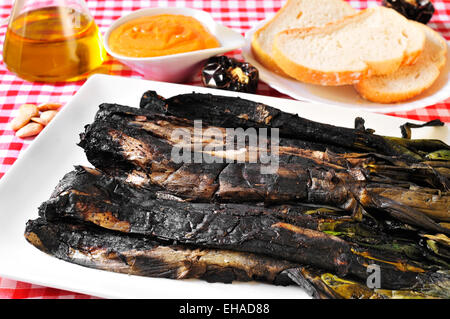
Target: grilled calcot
(116,143)
(282,232)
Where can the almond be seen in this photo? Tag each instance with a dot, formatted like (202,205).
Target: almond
(47,116)
(19,121)
(30,109)
(49,106)
(38,120)
(31,129)
(26,112)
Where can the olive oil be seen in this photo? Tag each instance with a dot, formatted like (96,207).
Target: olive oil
(53,44)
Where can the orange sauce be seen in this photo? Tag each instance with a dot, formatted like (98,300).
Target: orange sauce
(160,35)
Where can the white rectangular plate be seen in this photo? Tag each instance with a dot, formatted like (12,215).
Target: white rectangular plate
(54,152)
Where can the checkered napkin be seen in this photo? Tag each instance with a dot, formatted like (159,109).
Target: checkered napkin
(239,15)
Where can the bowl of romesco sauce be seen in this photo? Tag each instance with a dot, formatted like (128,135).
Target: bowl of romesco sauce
(168,44)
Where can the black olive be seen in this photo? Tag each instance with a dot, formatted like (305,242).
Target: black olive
(418,10)
(222,72)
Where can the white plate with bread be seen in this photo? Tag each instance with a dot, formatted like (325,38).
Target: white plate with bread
(374,60)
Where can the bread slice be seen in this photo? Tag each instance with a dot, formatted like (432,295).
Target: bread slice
(373,41)
(295,14)
(409,80)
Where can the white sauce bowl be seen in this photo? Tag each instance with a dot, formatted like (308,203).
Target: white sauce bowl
(176,67)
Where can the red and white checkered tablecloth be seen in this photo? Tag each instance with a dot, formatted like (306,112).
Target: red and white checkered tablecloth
(239,15)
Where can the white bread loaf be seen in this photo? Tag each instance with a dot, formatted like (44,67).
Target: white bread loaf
(374,41)
(295,14)
(409,80)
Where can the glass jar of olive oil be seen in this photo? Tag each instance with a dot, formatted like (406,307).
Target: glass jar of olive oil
(52,41)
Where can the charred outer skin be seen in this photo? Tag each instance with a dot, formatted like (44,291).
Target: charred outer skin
(115,144)
(136,255)
(237,112)
(235,227)
(160,126)
(131,149)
